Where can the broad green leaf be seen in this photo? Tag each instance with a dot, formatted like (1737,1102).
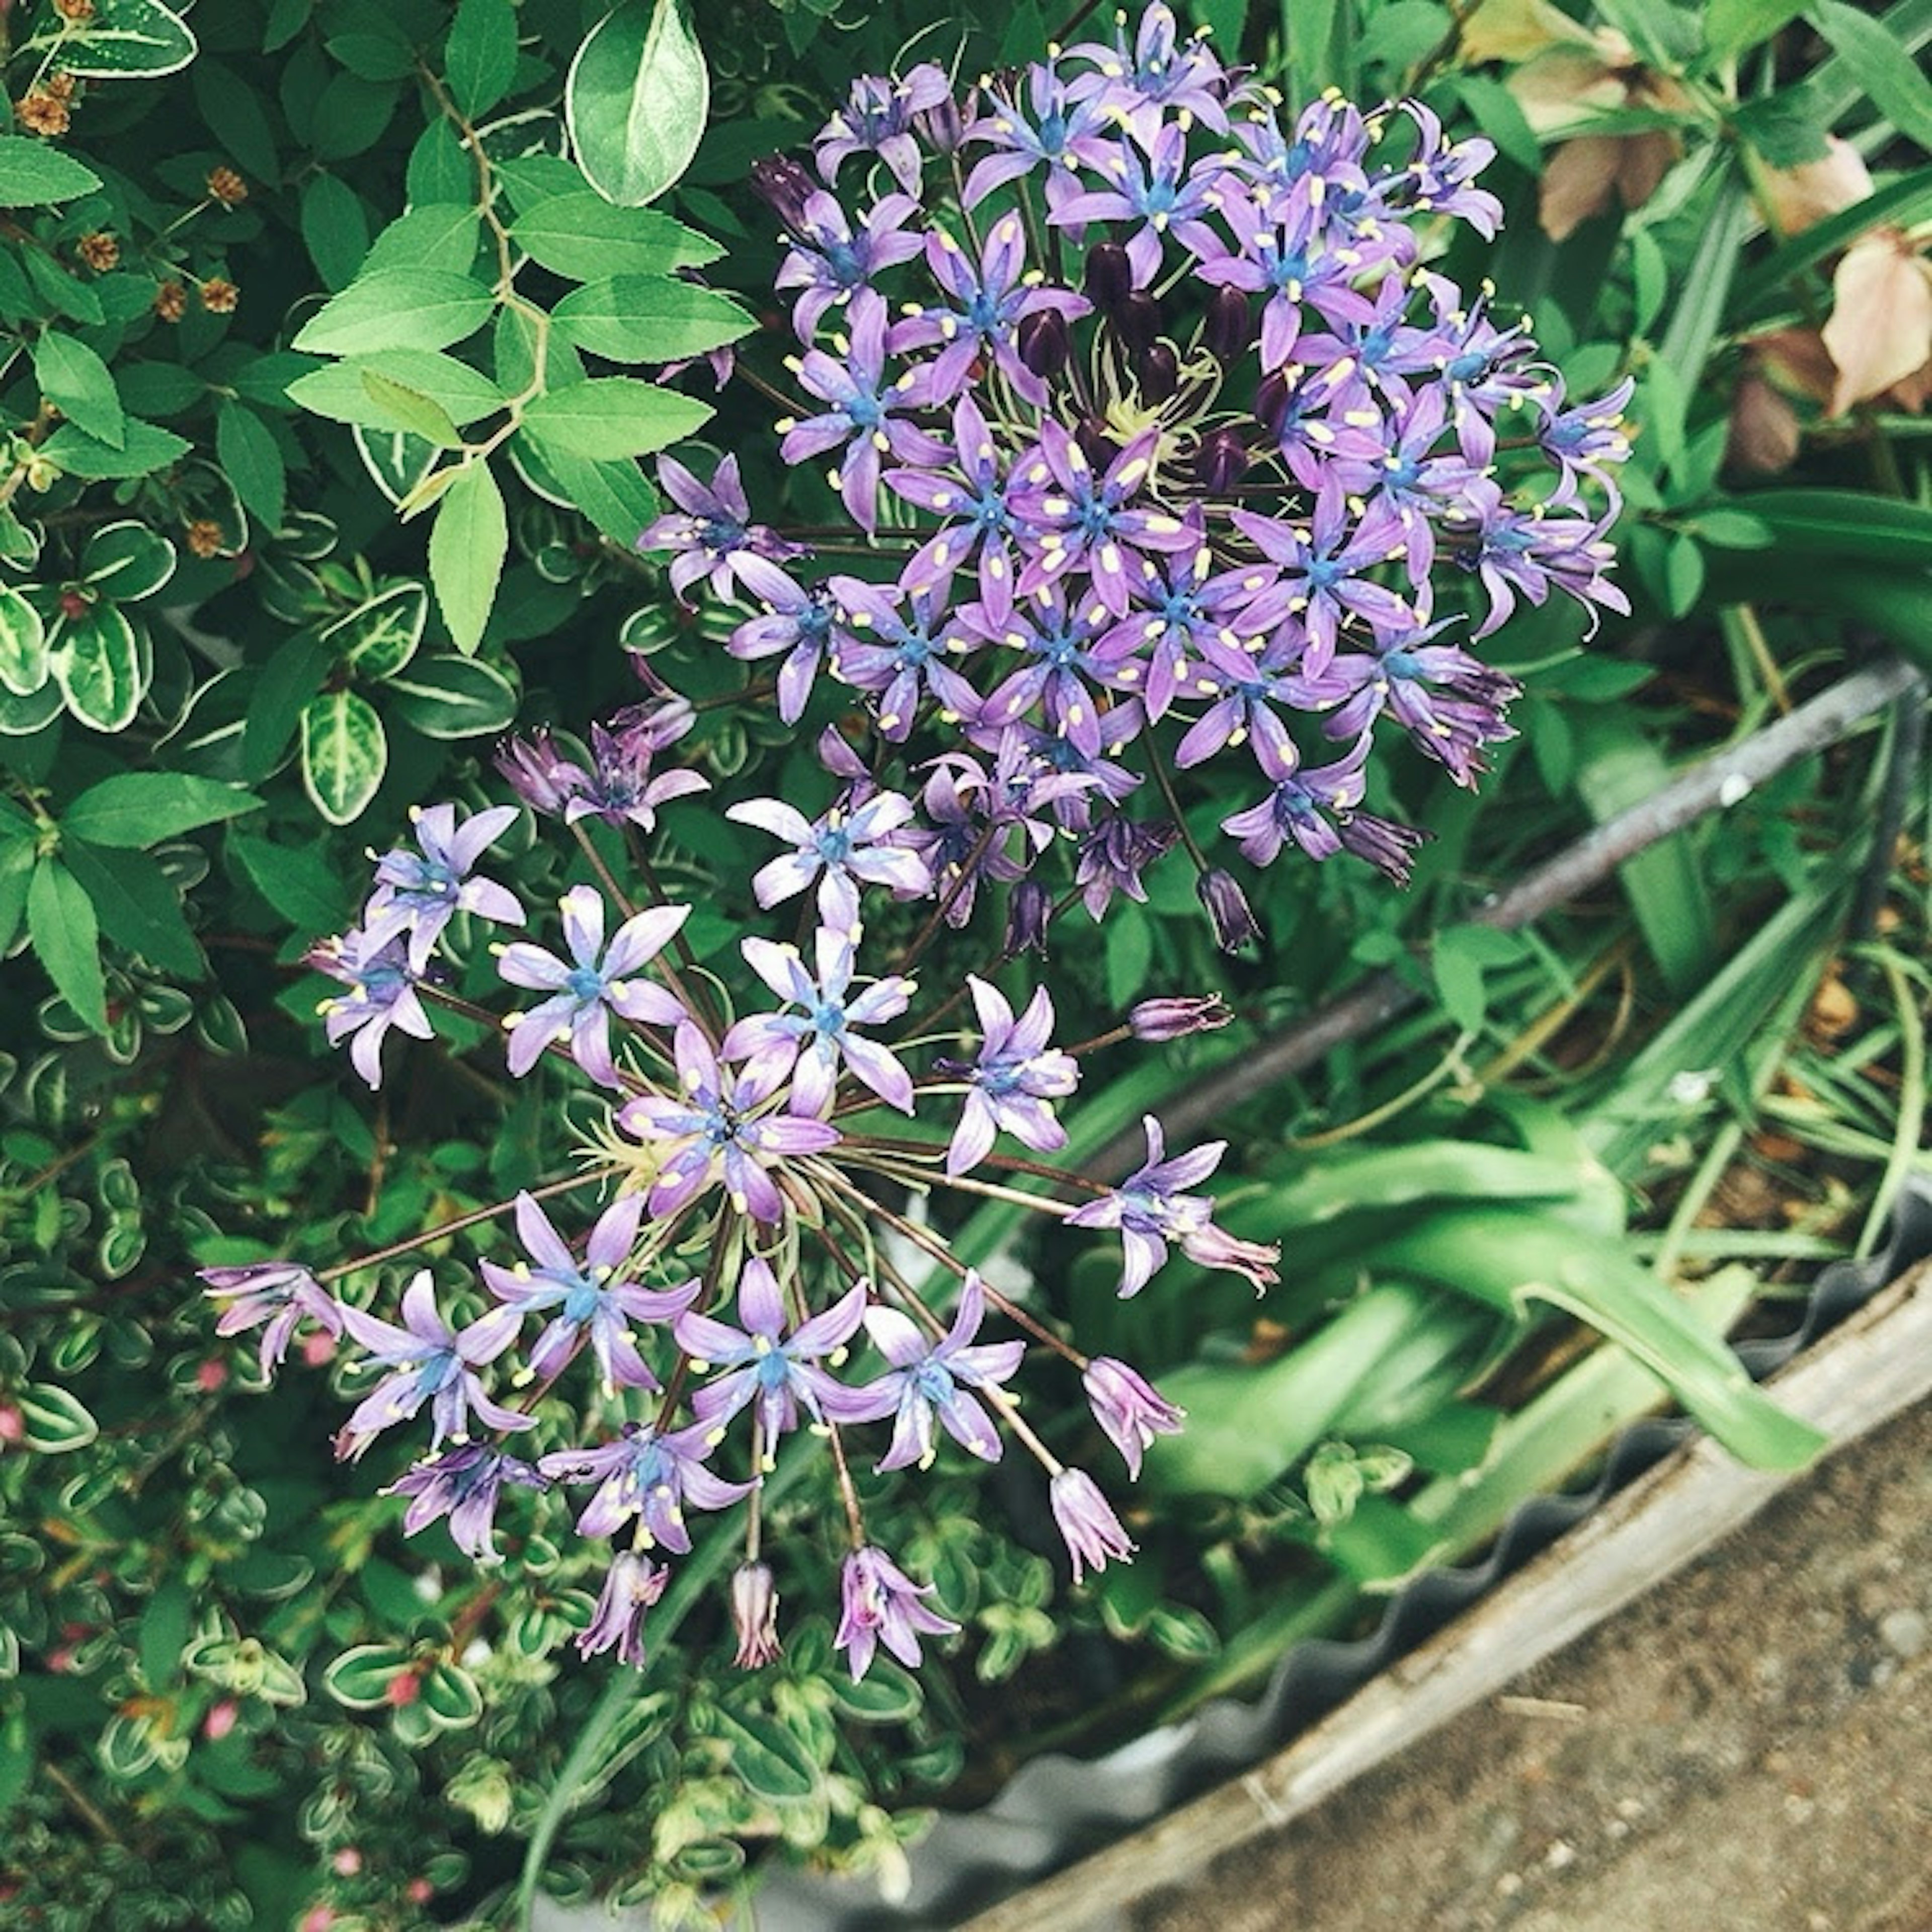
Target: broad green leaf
(397,461)
(33,175)
(450,1694)
(125,36)
(466,549)
(361,1677)
(56,1422)
(335,230)
(127,561)
(101,667)
(74,378)
(139,906)
(22,717)
(23,644)
(442,235)
(236,119)
(1730,26)
(613,416)
(1883,67)
(339,393)
(617,496)
(292,675)
(141,809)
(66,938)
(378,637)
(636,101)
(480,60)
(411,411)
(296,879)
(647,319)
(771,1760)
(453,697)
(1844,524)
(344,754)
(248,453)
(397,308)
(582,236)
(145,447)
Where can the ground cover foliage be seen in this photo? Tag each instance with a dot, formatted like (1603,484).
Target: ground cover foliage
(337,340)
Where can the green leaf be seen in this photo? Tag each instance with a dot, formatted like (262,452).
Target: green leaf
(125,36)
(248,453)
(296,879)
(379,637)
(67,939)
(613,416)
(1847,523)
(139,809)
(138,905)
(361,1677)
(1730,26)
(1903,202)
(397,308)
(411,411)
(335,230)
(480,61)
(615,496)
(636,100)
(583,236)
(72,376)
(442,235)
(101,667)
(450,1695)
(23,644)
(1692,328)
(145,447)
(466,549)
(647,319)
(1881,65)
(56,1420)
(127,561)
(235,116)
(773,1762)
(33,175)
(1458,971)
(344,754)
(291,677)
(453,697)
(339,392)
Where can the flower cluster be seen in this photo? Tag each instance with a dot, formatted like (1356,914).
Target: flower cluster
(1170,443)
(739,1283)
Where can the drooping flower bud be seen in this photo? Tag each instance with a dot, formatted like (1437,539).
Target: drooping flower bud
(1220,461)
(1110,276)
(1094,1533)
(784,185)
(754,1614)
(1227,905)
(1157,369)
(1136,321)
(1044,343)
(537,772)
(1227,328)
(1129,1407)
(1175,1019)
(942,127)
(1271,395)
(1027,912)
(1096,443)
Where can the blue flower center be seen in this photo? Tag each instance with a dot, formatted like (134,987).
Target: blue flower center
(583,1301)
(586,984)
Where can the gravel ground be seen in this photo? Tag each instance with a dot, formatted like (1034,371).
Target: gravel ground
(1748,1749)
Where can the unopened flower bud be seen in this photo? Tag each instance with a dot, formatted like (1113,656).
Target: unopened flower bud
(1110,276)
(1271,395)
(1227,328)
(1158,371)
(1227,905)
(784,185)
(941,127)
(1220,461)
(1095,443)
(1129,1407)
(536,771)
(1175,1018)
(1136,321)
(754,1613)
(1027,914)
(1044,343)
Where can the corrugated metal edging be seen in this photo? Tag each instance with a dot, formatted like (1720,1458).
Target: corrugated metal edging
(1057,1809)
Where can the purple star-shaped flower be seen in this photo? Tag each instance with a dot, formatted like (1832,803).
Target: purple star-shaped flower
(463,1483)
(1011,1079)
(651,1476)
(766,1369)
(1319,809)
(893,642)
(594,982)
(1162,193)
(710,529)
(617,787)
(718,1132)
(831,260)
(797,621)
(381,994)
(1056,134)
(809,1044)
(1161,81)
(588,1297)
(418,893)
(1150,1208)
(877,119)
(849,846)
(274,1297)
(880,1603)
(972,497)
(429,1362)
(931,1383)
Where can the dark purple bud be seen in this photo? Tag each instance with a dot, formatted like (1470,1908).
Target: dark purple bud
(1235,924)
(1220,461)
(784,185)
(942,127)
(1027,912)
(1271,395)
(1227,329)
(1386,843)
(1175,1018)
(1137,321)
(1044,344)
(646,729)
(1096,443)
(1110,276)
(1158,370)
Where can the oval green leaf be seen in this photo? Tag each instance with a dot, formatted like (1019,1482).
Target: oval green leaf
(23,644)
(101,668)
(344,754)
(636,101)
(127,561)
(454,697)
(376,639)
